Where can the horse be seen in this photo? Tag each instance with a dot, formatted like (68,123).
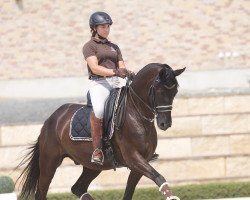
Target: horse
(150,96)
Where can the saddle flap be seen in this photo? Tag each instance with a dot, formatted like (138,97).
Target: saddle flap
(109,109)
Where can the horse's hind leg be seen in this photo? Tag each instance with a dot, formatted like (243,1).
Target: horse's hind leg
(47,170)
(82,184)
(49,160)
(133,180)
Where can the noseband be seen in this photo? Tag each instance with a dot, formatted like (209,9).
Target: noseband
(167,108)
(155,110)
(159,108)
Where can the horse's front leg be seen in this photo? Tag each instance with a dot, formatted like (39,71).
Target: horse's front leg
(138,164)
(133,180)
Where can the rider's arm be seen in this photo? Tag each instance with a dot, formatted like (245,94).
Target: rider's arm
(98,69)
(121,63)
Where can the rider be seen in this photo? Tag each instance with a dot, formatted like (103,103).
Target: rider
(106,71)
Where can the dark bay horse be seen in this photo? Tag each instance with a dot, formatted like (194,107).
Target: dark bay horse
(150,96)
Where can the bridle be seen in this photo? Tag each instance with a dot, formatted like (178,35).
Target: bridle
(154,109)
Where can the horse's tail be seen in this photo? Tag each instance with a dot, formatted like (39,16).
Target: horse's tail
(31,172)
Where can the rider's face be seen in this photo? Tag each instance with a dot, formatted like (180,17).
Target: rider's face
(103,30)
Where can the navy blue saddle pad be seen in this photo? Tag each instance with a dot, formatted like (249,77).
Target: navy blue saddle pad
(80,128)
(80,124)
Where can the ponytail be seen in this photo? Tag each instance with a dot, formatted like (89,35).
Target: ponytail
(93,32)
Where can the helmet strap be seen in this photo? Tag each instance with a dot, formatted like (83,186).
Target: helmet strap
(100,37)
(94,33)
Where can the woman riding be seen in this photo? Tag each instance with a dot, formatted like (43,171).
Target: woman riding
(106,71)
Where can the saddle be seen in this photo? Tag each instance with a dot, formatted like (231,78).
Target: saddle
(114,110)
(80,128)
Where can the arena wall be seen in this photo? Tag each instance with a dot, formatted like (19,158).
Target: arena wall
(44,38)
(209,141)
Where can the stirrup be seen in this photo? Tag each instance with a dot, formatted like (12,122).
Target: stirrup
(96,159)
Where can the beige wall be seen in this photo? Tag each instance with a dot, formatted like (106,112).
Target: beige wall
(44,39)
(209,144)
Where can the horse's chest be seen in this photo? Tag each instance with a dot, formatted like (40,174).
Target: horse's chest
(145,138)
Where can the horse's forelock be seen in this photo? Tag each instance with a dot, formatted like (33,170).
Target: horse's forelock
(170,74)
(167,66)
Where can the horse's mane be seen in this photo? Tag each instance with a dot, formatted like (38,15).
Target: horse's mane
(149,71)
(154,67)
(149,68)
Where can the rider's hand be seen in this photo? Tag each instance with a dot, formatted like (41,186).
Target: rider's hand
(131,75)
(121,72)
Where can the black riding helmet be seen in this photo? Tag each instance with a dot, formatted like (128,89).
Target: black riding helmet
(98,18)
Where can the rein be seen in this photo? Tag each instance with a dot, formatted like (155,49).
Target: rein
(137,109)
(156,109)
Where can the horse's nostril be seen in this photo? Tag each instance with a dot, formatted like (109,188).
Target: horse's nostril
(166,124)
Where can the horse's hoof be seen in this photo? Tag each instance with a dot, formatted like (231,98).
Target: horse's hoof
(86,196)
(173,198)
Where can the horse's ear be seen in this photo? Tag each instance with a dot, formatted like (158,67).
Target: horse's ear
(162,74)
(179,71)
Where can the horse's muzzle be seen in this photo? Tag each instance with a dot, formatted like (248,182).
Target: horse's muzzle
(164,126)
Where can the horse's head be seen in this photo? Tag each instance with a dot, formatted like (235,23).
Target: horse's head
(162,93)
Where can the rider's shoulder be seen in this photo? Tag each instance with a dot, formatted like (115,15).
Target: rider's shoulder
(89,44)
